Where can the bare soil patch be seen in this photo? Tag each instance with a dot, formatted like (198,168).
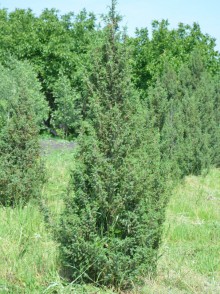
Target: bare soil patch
(50,145)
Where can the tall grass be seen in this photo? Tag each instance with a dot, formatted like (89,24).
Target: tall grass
(190,253)
(29,262)
(28,253)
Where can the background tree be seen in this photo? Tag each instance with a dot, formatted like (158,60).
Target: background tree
(182,107)
(216,136)
(165,111)
(68,107)
(10,82)
(52,43)
(173,46)
(55,43)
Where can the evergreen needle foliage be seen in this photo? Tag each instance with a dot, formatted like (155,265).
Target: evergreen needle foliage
(183,107)
(21,169)
(111,227)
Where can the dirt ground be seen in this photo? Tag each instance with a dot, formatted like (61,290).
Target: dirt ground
(50,145)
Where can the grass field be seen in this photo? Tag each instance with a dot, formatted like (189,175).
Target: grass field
(190,253)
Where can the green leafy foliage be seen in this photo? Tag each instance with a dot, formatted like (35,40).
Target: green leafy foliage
(13,76)
(173,46)
(66,117)
(52,43)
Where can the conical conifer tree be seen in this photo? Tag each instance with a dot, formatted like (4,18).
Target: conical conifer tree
(216,133)
(197,102)
(165,112)
(181,107)
(21,169)
(111,227)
